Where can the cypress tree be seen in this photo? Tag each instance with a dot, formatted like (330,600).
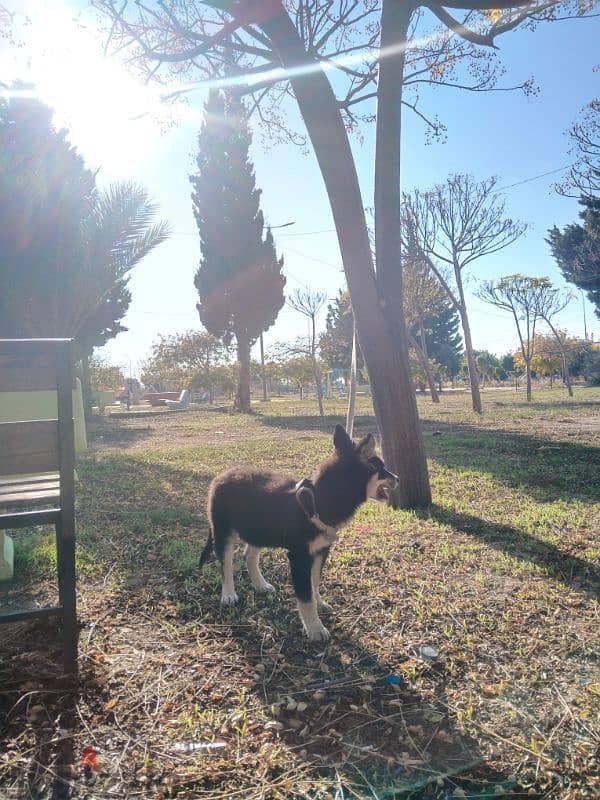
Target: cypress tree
(239,280)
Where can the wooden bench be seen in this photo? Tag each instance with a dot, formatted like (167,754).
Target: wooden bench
(37,462)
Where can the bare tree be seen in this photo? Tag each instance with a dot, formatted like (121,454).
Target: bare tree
(583,177)
(455,224)
(423,296)
(272,51)
(309,303)
(520,295)
(550,301)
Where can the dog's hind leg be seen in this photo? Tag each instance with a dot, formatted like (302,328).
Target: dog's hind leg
(256,576)
(315,577)
(301,565)
(224,543)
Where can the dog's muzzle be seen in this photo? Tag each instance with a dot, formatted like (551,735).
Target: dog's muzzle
(384,489)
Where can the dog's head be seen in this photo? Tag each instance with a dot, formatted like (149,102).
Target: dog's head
(352,474)
(380,481)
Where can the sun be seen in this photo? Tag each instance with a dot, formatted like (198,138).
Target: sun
(114,119)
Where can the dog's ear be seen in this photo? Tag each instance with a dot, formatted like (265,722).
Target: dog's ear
(342,442)
(366,447)
(306,499)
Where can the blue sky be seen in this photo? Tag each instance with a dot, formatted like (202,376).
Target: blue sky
(505,134)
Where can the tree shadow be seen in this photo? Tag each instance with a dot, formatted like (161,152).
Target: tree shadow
(546,468)
(39,717)
(559,404)
(577,573)
(354,718)
(313,422)
(109,431)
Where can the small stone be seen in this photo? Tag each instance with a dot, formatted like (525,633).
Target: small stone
(319,695)
(458,792)
(260,667)
(302,706)
(292,705)
(273,725)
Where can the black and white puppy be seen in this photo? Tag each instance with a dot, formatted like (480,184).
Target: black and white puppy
(266,509)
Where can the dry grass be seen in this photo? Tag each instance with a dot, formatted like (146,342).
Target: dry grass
(500,576)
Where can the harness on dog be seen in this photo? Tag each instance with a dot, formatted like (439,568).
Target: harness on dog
(305,497)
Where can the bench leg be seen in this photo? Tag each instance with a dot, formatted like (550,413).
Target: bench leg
(65,541)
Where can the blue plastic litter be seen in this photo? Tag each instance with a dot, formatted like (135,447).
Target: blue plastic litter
(393,679)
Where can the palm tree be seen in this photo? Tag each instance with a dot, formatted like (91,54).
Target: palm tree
(117,234)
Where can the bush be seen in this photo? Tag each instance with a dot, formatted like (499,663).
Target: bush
(591,367)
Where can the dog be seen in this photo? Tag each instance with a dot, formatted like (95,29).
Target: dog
(264,509)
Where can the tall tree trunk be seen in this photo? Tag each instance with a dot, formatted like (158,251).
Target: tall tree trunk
(318,386)
(381,342)
(262,368)
(472,366)
(528,380)
(352,390)
(567,374)
(430,379)
(315,366)
(435,398)
(563,355)
(242,398)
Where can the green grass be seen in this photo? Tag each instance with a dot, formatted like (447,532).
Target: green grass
(500,575)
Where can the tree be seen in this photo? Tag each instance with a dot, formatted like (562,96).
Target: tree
(186,360)
(453,225)
(271,50)
(583,177)
(309,303)
(576,250)
(520,295)
(66,248)
(298,370)
(335,343)
(591,366)
(104,375)
(239,280)
(550,302)
(422,296)
(488,364)
(444,343)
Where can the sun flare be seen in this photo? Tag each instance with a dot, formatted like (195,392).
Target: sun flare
(115,120)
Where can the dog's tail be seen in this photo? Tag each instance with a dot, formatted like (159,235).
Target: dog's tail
(206,553)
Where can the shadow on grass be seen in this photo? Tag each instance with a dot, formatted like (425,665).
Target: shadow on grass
(558,405)
(142,522)
(360,735)
(111,432)
(545,468)
(577,573)
(39,718)
(313,422)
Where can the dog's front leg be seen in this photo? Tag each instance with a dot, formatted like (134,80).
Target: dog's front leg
(301,564)
(315,576)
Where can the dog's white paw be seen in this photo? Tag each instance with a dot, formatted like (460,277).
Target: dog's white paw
(318,633)
(265,588)
(323,606)
(229,599)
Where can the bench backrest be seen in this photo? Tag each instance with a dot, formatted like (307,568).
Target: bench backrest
(38,446)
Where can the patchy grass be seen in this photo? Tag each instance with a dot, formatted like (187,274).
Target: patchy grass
(500,576)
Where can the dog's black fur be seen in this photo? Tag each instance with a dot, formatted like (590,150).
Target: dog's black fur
(268,510)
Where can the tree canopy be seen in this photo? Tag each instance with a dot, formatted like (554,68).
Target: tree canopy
(66,248)
(577,250)
(239,281)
